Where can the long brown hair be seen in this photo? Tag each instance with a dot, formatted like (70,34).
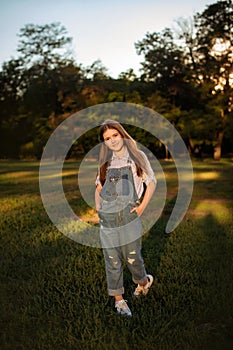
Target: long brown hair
(106,154)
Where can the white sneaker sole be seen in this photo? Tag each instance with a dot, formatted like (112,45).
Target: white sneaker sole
(151,278)
(144,292)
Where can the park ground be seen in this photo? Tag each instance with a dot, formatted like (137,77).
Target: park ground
(53,289)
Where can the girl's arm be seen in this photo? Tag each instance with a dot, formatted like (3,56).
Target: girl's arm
(147,196)
(98,199)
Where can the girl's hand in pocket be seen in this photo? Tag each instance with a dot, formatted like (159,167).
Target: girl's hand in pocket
(138,210)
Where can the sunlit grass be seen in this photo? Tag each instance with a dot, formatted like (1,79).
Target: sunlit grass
(220,211)
(210,175)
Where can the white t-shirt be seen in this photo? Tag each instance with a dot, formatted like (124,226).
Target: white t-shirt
(119,162)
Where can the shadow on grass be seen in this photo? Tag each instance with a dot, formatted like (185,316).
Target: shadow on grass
(215,247)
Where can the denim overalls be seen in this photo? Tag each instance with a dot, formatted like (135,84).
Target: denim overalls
(120,230)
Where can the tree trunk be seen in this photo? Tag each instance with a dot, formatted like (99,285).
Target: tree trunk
(166,152)
(190,145)
(217,148)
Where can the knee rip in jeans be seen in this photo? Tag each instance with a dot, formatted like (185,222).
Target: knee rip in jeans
(131,260)
(114,262)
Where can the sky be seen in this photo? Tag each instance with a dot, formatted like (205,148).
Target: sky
(105,30)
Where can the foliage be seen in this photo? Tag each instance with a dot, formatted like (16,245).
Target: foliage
(43,45)
(163,58)
(186,76)
(200,67)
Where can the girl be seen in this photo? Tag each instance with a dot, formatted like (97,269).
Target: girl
(119,187)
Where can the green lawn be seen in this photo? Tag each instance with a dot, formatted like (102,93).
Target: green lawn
(53,290)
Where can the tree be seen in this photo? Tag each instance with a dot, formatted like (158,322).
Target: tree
(96,71)
(166,64)
(194,70)
(163,58)
(39,89)
(186,34)
(44,46)
(215,49)
(128,75)
(11,131)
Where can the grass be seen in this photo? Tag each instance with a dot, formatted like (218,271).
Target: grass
(53,290)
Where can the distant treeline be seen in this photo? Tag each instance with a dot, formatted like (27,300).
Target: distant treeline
(186,75)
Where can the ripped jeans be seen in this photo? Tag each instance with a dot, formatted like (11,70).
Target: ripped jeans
(120,234)
(131,253)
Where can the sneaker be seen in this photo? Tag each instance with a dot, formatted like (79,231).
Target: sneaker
(144,289)
(122,308)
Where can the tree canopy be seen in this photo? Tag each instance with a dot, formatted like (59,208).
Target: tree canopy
(186,75)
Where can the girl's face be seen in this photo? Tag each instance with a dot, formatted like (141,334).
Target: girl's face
(113,140)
